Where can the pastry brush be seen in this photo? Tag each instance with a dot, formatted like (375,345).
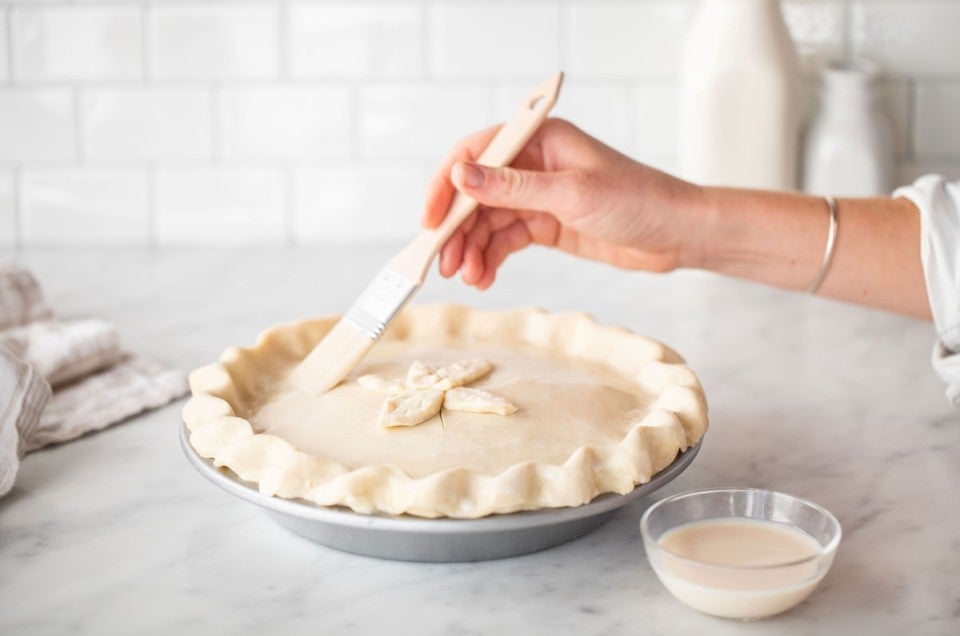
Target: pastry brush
(351,338)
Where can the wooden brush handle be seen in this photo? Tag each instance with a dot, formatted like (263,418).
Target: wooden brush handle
(415,259)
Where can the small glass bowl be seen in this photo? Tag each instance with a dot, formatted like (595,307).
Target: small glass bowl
(742,592)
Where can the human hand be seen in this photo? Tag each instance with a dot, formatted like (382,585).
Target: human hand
(565,190)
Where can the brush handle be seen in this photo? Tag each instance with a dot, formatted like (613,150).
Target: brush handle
(415,259)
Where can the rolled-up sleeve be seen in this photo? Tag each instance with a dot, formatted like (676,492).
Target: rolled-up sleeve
(939,203)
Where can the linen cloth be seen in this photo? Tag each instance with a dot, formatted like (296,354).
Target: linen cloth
(939,203)
(60,379)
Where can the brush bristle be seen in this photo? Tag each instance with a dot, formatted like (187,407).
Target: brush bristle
(339,353)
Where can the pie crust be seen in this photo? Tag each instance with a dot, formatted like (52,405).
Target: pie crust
(600,410)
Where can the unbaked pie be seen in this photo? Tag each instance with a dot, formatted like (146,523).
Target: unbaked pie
(426,392)
(564,410)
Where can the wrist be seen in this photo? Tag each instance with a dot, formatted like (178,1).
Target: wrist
(775,238)
(696,219)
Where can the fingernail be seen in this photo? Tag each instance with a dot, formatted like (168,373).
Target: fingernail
(469,175)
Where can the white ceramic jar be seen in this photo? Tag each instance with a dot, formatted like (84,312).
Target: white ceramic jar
(739,96)
(849,148)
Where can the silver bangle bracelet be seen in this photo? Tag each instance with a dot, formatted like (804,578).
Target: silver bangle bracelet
(828,251)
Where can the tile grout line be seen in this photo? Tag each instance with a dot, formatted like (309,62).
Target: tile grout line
(8,28)
(284,73)
(146,55)
(18,238)
(151,169)
(458,81)
(79,151)
(216,125)
(284,70)
(562,35)
(632,141)
(355,97)
(494,90)
(847,44)
(428,19)
(289,224)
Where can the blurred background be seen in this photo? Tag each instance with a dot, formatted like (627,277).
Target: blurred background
(174,123)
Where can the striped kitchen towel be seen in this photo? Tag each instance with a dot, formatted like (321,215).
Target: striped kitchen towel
(60,379)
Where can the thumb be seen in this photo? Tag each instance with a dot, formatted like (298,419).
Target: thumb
(515,189)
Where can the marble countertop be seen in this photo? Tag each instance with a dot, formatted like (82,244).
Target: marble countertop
(116,534)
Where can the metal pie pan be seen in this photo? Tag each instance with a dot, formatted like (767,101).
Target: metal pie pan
(408,538)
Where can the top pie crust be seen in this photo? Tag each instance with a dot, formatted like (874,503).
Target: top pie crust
(600,410)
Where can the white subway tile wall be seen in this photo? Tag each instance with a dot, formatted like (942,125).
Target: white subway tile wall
(211,205)
(326,196)
(238,122)
(908,37)
(144,123)
(938,102)
(84,205)
(213,42)
(626,41)
(37,124)
(419,121)
(655,114)
(285,122)
(344,40)
(60,43)
(486,41)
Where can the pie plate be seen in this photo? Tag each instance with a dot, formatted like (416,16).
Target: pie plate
(409,538)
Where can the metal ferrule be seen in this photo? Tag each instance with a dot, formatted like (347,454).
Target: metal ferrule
(380,302)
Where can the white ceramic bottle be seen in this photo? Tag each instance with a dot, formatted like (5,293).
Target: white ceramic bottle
(739,103)
(848,149)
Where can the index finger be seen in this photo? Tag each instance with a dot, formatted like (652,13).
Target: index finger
(440,190)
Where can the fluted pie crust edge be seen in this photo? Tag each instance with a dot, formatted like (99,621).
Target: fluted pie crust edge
(676,419)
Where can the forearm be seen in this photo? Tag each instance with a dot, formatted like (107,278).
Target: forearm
(779,239)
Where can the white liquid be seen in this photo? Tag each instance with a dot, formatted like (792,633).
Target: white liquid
(739,96)
(749,587)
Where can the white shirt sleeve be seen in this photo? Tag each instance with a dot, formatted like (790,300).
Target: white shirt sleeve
(939,203)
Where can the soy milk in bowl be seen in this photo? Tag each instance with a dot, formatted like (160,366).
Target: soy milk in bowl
(739,553)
